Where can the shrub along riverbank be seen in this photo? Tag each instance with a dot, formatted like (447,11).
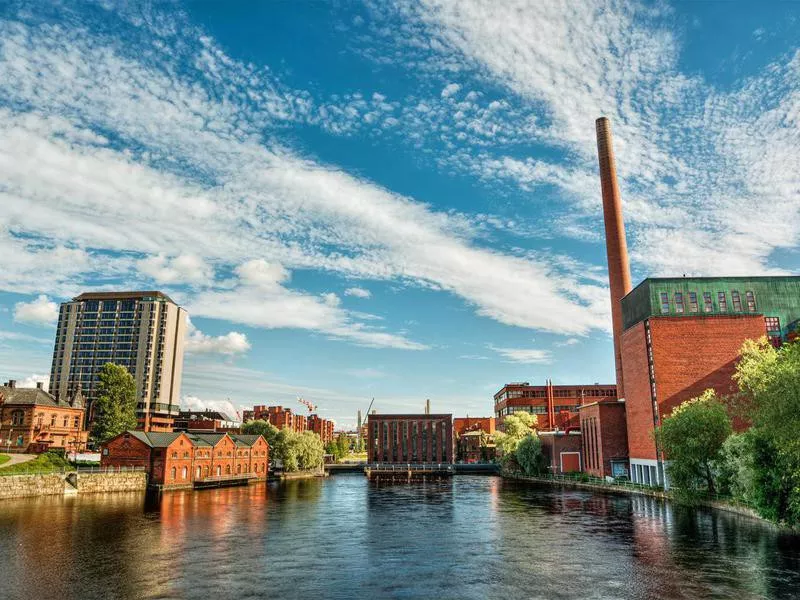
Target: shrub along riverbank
(760,467)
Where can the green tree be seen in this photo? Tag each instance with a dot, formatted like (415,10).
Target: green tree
(692,438)
(270,433)
(515,427)
(769,384)
(115,406)
(529,455)
(342,446)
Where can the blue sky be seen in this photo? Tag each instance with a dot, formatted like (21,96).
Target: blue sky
(388,199)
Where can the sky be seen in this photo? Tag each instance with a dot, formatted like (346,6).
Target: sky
(394,200)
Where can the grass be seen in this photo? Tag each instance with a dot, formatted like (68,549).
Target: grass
(354,457)
(44,463)
(4,458)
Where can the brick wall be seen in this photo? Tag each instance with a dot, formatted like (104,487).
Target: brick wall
(690,355)
(554,444)
(605,436)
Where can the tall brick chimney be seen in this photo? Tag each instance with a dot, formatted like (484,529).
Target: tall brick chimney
(619,270)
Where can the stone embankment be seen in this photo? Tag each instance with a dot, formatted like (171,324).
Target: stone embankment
(69,483)
(302,474)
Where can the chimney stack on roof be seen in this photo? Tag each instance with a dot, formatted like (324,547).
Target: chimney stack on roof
(12,383)
(39,385)
(619,271)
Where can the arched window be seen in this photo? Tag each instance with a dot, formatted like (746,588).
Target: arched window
(52,420)
(219,470)
(206,471)
(184,473)
(199,472)
(228,470)
(238,469)
(174,473)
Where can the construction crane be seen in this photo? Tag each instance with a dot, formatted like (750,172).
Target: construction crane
(310,406)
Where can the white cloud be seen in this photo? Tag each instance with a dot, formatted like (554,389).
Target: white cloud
(230,343)
(23,337)
(358,292)
(226,407)
(450,89)
(524,355)
(32,380)
(568,342)
(41,311)
(204,182)
(182,269)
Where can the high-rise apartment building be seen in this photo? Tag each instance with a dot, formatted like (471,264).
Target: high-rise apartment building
(141,331)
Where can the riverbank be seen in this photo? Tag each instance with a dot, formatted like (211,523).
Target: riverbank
(661,494)
(300,475)
(68,483)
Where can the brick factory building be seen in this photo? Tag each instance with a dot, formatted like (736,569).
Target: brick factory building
(562,449)
(205,421)
(555,406)
(181,460)
(682,336)
(33,421)
(605,439)
(421,438)
(676,337)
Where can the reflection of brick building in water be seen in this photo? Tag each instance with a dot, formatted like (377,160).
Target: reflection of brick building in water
(410,438)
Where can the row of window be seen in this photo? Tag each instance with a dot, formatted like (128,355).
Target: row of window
(690,302)
(18,419)
(557,393)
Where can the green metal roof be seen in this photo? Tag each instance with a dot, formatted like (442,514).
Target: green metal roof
(775,296)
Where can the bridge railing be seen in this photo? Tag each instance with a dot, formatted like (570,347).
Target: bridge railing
(409,466)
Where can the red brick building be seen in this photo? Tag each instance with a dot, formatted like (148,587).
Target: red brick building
(462,425)
(33,421)
(181,460)
(604,435)
(683,336)
(410,438)
(555,406)
(562,449)
(322,427)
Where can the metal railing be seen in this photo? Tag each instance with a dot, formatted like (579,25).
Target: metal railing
(409,466)
(593,481)
(227,477)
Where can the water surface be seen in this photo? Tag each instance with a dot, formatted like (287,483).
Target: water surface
(466,537)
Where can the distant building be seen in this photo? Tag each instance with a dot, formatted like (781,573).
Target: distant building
(410,438)
(248,415)
(183,460)
(34,421)
(205,421)
(681,336)
(462,425)
(322,427)
(605,439)
(555,406)
(141,331)
(562,450)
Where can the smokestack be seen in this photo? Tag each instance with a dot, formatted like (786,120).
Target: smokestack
(427,406)
(619,270)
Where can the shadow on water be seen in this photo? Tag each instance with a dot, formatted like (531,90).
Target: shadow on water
(462,537)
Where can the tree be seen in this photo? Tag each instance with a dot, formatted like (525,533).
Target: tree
(530,456)
(269,432)
(515,427)
(115,406)
(692,438)
(769,384)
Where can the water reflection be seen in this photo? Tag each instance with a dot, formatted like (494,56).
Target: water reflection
(464,537)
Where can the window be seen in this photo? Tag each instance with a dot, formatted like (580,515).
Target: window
(184,473)
(52,420)
(751,301)
(227,469)
(219,470)
(773,325)
(693,302)
(17,417)
(174,473)
(199,473)
(679,302)
(708,306)
(664,303)
(722,301)
(66,420)
(737,301)
(76,422)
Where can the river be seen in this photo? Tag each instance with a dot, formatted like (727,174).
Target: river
(466,537)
